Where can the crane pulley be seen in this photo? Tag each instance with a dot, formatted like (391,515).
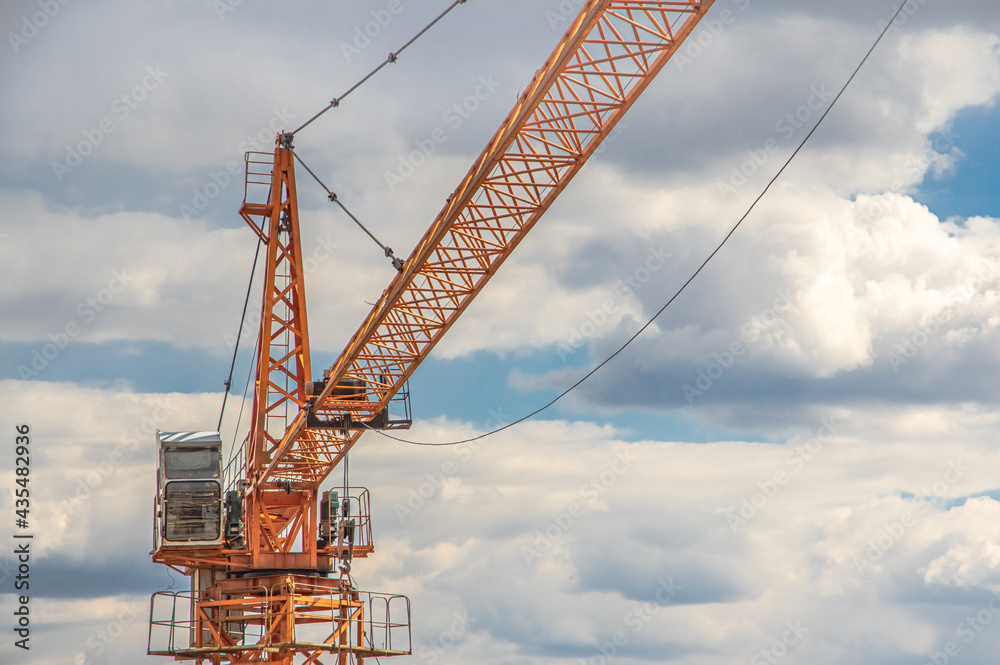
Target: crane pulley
(264,581)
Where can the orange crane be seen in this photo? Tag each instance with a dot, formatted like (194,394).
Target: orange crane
(268,552)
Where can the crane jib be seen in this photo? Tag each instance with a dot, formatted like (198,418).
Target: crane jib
(602,64)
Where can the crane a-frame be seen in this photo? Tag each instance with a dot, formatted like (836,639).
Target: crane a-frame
(268,552)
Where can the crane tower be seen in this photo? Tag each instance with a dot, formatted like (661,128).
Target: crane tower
(268,550)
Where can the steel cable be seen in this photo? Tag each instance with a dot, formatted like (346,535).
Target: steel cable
(390,59)
(704,263)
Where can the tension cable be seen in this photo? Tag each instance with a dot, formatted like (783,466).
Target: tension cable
(390,59)
(397,263)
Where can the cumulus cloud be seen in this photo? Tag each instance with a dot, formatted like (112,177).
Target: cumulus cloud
(846,335)
(753,536)
(545,541)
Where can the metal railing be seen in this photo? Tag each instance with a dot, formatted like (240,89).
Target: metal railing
(259,166)
(307,618)
(170,622)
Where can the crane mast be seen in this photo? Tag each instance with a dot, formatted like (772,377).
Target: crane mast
(271,570)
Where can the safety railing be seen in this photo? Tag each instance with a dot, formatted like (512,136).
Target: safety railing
(257,186)
(300,618)
(171,620)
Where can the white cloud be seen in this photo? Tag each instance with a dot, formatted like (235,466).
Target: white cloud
(853,302)
(119,275)
(855,265)
(552,536)
(513,542)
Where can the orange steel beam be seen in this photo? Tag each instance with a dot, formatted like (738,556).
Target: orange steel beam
(275,516)
(601,65)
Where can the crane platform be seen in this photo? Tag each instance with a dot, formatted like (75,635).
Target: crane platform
(238,617)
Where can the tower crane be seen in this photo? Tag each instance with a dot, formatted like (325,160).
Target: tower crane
(268,551)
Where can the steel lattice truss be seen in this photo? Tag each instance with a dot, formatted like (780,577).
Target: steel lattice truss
(602,64)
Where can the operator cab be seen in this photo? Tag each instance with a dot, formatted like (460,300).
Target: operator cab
(188,489)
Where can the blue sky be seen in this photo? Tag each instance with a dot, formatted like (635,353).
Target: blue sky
(967,191)
(799,456)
